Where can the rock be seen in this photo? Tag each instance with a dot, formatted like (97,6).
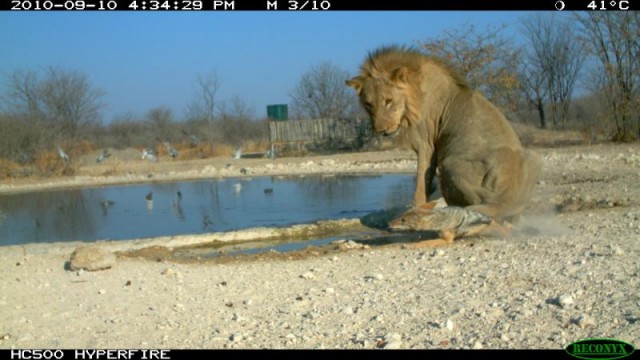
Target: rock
(344,245)
(373,277)
(565,300)
(477,345)
(307,275)
(584,321)
(449,325)
(102,291)
(91,258)
(392,341)
(168,271)
(617,251)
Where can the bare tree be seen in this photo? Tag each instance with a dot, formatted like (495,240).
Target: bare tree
(321,93)
(614,39)
(238,108)
(237,124)
(556,56)
(160,116)
(23,94)
(47,108)
(487,58)
(204,104)
(533,86)
(161,119)
(69,100)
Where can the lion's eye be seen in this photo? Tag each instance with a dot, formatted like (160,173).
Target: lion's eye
(388,102)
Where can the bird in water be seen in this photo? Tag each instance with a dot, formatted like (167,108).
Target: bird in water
(238,153)
(149,199)
(105,206)
(177,205)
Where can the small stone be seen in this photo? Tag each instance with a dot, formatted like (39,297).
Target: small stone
(584,321)
(307,275)
(168,272)
(565,300)
(392,341)
(449,324)
(102,291)
(347,310)
(329,290)
(91,258)
(617,251)
(504,337)
(373,277)
(248,302)
(310,315)
(5,337)
(477,345)
(438,252)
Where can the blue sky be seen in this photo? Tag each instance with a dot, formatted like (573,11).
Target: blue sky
(148,59)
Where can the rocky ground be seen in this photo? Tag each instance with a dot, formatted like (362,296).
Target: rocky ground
(569,272)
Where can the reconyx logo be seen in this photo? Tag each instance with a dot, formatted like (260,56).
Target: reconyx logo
(599,349)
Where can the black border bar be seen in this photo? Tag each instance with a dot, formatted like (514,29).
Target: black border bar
(317,5)
(169,354)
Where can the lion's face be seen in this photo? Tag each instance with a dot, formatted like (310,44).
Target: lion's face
(384,99)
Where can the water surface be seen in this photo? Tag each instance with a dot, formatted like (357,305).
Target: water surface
(123,212)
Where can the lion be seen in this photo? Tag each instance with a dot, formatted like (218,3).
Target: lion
(481,162)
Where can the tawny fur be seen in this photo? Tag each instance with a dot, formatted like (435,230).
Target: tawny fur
(451,127)
(450,222)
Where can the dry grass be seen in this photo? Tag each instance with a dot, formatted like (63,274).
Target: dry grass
(78,149)
(49,163)
(8,168)
(533,136)
(187,151)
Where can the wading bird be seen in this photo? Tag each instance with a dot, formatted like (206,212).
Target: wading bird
(102,156)
(63,155)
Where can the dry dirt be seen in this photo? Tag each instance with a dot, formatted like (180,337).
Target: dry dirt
(569,272)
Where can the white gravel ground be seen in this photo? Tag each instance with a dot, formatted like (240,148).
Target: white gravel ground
(560,278)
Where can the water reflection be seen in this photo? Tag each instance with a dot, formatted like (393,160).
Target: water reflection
(149,210)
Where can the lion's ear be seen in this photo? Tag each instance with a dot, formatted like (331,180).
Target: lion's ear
(355,83)
(400,74)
